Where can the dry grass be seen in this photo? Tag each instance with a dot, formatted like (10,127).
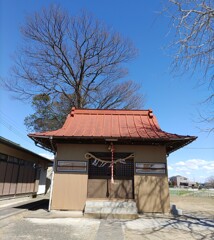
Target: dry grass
(194,205)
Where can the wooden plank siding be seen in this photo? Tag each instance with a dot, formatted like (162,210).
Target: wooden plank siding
(18,178)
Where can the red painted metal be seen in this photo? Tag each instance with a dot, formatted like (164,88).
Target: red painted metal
(112,163)
(110,124)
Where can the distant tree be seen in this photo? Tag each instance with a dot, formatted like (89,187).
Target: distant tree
(75,57)
(210,182)
(192,47)
(49,115)
(171,184)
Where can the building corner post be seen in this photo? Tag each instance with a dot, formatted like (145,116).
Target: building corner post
(52,183)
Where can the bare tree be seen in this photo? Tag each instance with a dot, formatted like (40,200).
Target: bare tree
(193,44)
(194,36)
(78,57)
(210,182)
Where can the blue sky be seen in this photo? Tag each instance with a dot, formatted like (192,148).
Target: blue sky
(175,101)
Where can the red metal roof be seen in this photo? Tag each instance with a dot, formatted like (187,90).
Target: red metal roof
(109,123)
(120,124)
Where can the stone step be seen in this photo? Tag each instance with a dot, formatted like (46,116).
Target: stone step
(112,204)
(111,209)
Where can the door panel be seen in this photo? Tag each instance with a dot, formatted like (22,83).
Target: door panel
(99,182)
(8,176)
(3,167)
(20,180)
(14,179)
(121,189)
(97,188)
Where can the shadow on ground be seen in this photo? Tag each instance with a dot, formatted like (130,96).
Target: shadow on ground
(41,204)
(185,227)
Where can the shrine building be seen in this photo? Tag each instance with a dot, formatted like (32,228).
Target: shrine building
(110,154)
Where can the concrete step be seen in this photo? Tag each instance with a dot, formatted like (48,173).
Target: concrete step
(111,204)
(111,209)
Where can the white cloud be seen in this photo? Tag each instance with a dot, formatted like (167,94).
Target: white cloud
(209,167)
(170,167)
(47,155)
(181,163)
(180,169)
(195,169)
(202,178)
(194,164)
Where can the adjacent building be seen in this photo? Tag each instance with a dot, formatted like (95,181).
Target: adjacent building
(180,181)
(110,154)
(22,172)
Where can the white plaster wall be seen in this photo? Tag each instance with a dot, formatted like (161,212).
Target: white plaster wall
(42,181)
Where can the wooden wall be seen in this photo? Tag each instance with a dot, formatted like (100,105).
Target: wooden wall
(17,178)
(152,194)
(102,188)
(17,174)
(70,190)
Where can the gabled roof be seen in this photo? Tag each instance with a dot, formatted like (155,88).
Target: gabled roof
(19,147)
(123,126)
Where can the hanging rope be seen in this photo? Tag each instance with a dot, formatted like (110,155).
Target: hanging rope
(101,163)
(112,163)
(120,160)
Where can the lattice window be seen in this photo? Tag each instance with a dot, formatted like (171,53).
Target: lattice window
(121,170)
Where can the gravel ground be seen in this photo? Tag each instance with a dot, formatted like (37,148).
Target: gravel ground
(51,229)
(167,229)
(197,223)
(94,229)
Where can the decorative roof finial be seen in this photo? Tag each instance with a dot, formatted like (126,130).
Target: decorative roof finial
(150,113)
(72,111)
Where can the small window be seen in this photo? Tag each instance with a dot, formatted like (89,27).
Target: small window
(71,166)
(13,160)
(21,162)
(3,157)
(150,168)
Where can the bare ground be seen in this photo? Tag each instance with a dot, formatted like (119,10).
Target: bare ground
(197,206)
(196,223)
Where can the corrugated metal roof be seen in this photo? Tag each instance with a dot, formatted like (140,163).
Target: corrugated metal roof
(110,123)
(19,147)
(103,124)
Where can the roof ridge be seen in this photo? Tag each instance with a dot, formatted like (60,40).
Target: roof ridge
(110,111)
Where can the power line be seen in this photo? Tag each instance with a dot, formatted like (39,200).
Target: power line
(14,131)
(8,118)
(12,127)
(204,148)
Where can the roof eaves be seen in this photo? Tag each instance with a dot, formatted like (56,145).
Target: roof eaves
(41,144)
(188,140)
(19,147)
